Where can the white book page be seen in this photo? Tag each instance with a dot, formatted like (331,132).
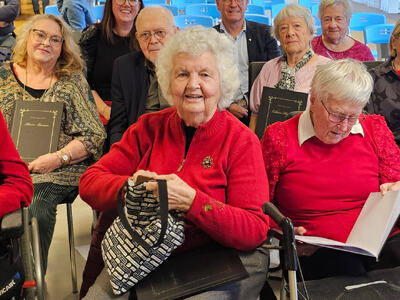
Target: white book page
(375,222)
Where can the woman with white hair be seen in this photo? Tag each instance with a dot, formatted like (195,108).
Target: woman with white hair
(212,162)
(386,92)
(294,28)
(323,164)
(335,42)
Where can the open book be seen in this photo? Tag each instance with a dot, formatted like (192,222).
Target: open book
(371,229)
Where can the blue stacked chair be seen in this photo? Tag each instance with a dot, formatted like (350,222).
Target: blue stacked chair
(268,3)
(258,18)
(380,36)
(276,8)
(181,4)
(154,2)
(173,9)
(210,10)
(255,9)
(183,21)
(51,10)
(98,12)
(361,20)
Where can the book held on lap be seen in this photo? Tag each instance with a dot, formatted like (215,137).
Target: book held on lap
(35,128)
(373,226)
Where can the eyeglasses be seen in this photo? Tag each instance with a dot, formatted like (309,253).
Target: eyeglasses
(146,36)
(339,118)
(130,2)
(40,36)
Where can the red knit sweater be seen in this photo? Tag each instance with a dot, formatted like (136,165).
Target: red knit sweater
(16,187)
(323,187)
(229,194)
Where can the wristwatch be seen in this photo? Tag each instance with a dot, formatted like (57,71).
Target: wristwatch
(65,159)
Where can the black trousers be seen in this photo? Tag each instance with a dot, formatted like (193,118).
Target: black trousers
(327,262)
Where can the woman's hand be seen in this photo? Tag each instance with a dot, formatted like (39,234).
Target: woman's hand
(45,163)
(180,194)
(145,173)
(389,186)
(238,111)
(106,112)
(304,249)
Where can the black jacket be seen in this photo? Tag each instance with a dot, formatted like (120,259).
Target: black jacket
(261,46)
(129,88)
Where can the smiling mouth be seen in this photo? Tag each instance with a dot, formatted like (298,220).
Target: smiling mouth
(193,97)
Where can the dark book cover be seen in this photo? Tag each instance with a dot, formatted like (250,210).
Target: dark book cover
(278,105)
(36,127)
(192,272)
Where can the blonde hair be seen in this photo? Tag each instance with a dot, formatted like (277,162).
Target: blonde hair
(395,35)
(69,62)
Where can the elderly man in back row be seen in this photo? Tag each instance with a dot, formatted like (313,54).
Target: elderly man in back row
(134,91)
(253,42)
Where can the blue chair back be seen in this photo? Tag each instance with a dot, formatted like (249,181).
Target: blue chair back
(173,9)
(263,19)
(154,2)
(98,11)
(361,20)
(51,10)
(183,21)
(255,9)
(306,3)
(276,8)
(268,3)
(314,10)
(378,34)
(210,10)
(181,4)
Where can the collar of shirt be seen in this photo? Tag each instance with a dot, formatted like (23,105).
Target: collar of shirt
(306,130)
(241,34)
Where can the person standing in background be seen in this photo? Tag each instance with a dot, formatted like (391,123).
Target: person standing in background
(35,4)
(9,10)
(77,13)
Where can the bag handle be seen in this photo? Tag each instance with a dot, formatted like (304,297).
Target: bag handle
(163,197)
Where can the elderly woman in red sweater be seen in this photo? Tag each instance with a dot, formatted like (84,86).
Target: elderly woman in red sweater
(212,163)
(323,164)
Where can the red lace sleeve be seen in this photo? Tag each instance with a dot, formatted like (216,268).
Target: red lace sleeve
(274,146)
(386,149)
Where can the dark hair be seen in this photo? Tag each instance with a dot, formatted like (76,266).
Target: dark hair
(107,25)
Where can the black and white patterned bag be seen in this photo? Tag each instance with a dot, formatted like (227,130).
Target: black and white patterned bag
(141,237)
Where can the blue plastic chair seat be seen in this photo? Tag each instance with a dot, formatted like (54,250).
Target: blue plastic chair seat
(183,21)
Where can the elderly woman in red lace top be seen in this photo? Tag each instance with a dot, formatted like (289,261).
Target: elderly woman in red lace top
(323,164)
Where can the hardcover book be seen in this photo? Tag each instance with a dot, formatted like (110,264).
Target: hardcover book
(192,272)
(35,128)
(278,105)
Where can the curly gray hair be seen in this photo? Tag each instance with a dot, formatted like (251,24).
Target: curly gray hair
(348,10)
(346,80)
(195,41)
(294,10)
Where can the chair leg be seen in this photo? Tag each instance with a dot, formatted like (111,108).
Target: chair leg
(72,248)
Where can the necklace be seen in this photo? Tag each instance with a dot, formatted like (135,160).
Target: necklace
(26,81)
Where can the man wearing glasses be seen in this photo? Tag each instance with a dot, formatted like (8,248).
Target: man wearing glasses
(253,42)
(134,87)
(77,13)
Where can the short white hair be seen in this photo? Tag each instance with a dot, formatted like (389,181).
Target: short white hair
(195,41)
(294,10)
(345,80)
(348,10)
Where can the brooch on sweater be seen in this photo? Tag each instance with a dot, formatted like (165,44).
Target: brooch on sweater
(207,162)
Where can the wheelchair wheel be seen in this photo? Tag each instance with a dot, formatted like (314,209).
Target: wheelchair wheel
(34,283)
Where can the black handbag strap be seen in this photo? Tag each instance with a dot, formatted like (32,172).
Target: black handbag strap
(163,198)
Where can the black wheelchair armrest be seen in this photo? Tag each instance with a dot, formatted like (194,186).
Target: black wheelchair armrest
(11,225)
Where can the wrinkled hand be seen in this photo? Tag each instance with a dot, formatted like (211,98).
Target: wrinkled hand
(238,111)
(389,186)
(180,194)
(144,173)
(45,163)
(302,248)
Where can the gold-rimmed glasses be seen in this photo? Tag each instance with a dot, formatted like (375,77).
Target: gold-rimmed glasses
(339,118)
(40,36)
